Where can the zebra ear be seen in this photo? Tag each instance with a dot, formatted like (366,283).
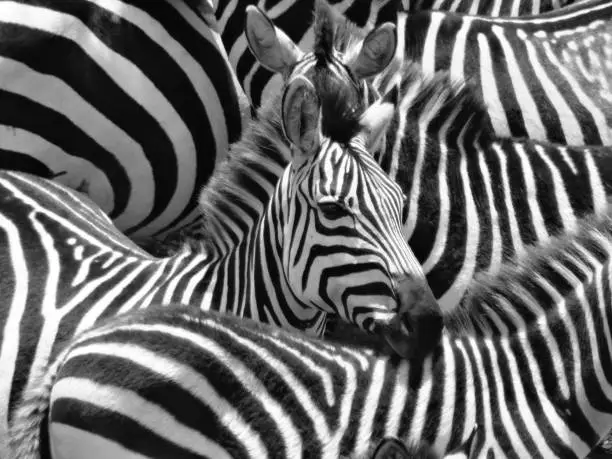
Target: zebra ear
(301,117)
(270,45)
(377,51)
(376,119)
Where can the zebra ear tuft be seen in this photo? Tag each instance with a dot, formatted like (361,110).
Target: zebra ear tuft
(301,114)
(376,53)
(271,46)
(376,119)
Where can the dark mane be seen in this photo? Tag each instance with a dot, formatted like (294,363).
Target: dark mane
(531,273)
(333,32)
(442,97)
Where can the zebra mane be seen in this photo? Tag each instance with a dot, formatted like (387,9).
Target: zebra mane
(333,32)
(521,282)
(445,103)
(260,156)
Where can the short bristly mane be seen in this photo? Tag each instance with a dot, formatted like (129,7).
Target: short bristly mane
(333,32)
(530,274)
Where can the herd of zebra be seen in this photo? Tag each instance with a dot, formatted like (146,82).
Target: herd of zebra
(305,228)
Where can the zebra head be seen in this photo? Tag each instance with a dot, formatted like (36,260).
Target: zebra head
(342,218)
(340,51)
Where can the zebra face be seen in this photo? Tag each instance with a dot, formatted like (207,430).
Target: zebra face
(344,248)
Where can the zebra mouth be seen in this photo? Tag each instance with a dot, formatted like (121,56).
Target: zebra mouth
(416,327)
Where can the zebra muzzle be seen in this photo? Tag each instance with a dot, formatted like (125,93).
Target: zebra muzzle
(417,328)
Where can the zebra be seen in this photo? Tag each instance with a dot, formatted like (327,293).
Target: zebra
(283,242)
(132,103)
(260,83)
(545,77)
(185,435)
(441,149)
(526,358)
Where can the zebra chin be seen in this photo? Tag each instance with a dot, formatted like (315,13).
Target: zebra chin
(415,328)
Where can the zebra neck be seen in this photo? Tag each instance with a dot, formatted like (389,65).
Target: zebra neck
(248,280)
(236,198)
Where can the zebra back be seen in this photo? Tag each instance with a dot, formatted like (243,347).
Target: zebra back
(131,103)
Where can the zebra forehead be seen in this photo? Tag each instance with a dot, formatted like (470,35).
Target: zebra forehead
(351,164)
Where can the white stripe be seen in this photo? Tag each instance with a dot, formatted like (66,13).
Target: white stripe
(564,205)
(58,160)
(590,105)
(569,123)
(428,60)
(53,93)
(496,244)
(458,56)
(127,403)
(11,336)
(490,91)
(528,107)
(531,194)
(68,442)
(449,300)
(515,234)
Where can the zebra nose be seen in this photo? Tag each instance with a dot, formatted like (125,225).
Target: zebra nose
(417,328)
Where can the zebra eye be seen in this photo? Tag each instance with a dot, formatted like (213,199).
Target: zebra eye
(332,210)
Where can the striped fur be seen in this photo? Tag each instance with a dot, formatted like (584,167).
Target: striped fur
(545,77)
(487,7)
(474,200)
(292,17)
(534,376)
(131,102)
(319,234)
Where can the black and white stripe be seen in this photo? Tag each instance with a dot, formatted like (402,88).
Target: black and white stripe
(132,102)
(293,16)
(532,376)
(507,8)
(545,77)
(290,236)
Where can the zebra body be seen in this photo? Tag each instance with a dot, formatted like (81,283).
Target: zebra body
(132,103)
(545,77)
(526,359)
(322,234)
(474,200)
